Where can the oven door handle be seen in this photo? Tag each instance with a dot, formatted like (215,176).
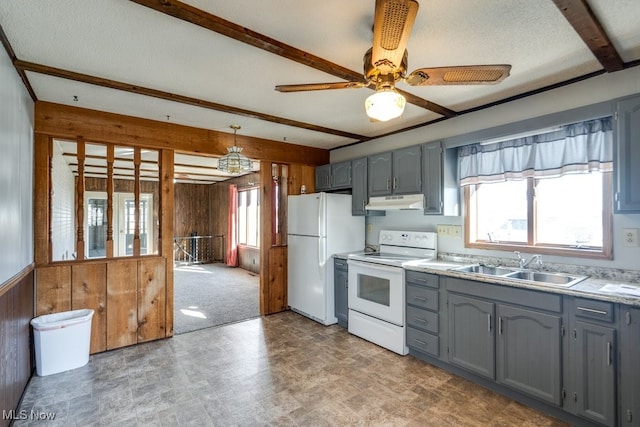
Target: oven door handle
(373,266)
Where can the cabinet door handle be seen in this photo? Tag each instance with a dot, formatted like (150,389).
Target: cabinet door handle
(628,318)
(592,310)
(500,325)
(420,319)
(388,184)
(419,341)
(362,204)
(608,354)
(489,322)
(394,182)
(420,299)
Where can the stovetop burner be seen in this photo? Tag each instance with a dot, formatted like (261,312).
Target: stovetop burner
(399,247)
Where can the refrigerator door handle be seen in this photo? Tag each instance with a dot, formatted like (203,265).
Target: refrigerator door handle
(321,213)
(322,243)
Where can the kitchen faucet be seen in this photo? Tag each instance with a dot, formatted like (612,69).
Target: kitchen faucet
(523,263)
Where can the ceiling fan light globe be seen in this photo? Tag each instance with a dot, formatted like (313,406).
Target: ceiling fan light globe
(385,105)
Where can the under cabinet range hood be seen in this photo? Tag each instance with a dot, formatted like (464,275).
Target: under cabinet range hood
(390,203)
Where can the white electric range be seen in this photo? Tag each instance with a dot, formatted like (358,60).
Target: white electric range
(376,286)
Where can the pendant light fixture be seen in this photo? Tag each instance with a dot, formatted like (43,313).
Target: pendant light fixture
(234,162)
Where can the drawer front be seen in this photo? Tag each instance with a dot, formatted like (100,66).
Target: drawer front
(424,279)
(422,297)
(592,309)
(422,319)
(423,341)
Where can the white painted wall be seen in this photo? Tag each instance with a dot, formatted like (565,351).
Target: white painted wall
(599,89)
(16,172)
(62,209)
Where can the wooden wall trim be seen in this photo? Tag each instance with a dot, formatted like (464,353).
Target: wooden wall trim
(41,205)
(68,122)
(15,280)
(165,239)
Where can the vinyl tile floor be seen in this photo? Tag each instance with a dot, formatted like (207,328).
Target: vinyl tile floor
(279,370)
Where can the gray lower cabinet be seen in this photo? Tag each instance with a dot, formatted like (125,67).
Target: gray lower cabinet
(512,336)
(590,372)
(529,352)
(471,334)
(627,156)
(629,379)
(422,312)
(341,285)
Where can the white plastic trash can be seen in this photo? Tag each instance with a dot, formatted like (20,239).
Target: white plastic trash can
(62,341)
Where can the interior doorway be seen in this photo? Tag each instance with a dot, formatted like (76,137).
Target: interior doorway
(207,292)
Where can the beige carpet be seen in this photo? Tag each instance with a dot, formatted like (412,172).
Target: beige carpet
(208,295)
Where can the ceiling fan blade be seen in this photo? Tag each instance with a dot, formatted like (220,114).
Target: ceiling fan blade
(319,86)
(459,75)
(391,29)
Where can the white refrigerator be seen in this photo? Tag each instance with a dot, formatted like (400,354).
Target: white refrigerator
(320,225)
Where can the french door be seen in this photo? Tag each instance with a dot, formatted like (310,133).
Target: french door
(123,224)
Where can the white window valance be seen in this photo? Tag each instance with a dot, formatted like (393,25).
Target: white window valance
(575,148)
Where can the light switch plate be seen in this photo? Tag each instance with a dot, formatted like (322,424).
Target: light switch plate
(630,236)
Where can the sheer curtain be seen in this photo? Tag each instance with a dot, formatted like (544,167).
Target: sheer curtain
(232,235)
(575,148)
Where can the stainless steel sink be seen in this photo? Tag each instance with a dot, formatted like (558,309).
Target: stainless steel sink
(555,279)
(543,278)
(485,269)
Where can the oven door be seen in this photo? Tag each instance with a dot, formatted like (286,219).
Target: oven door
(377,290)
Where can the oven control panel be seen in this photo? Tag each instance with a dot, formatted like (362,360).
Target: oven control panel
(413,239)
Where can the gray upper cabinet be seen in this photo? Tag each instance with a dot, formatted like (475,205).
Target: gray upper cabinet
(529,352)
(341,175)
(590,367)
(407,171)
(359,196)
(440,180)
(471,334)
(432,178)
(397,172)
(629,346)
(627,156)
(380,174)
(334,176)
(323,178)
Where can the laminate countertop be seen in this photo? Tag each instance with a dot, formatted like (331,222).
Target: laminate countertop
(595,288)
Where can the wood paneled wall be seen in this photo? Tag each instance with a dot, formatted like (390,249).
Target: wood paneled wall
(128,297)
(70,122)
(192,210)
(110,286)
(16,355)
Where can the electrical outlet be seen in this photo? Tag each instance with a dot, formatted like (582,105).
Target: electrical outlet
(630,236)
(455,230)
(369,228)
(442,230)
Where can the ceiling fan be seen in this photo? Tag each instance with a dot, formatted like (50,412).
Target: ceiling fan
(385,64)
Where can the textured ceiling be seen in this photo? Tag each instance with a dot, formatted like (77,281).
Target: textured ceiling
(134,44)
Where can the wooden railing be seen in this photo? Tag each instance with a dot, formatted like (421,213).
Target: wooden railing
(196,249)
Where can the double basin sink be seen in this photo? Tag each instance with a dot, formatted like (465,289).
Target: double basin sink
(544,278)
